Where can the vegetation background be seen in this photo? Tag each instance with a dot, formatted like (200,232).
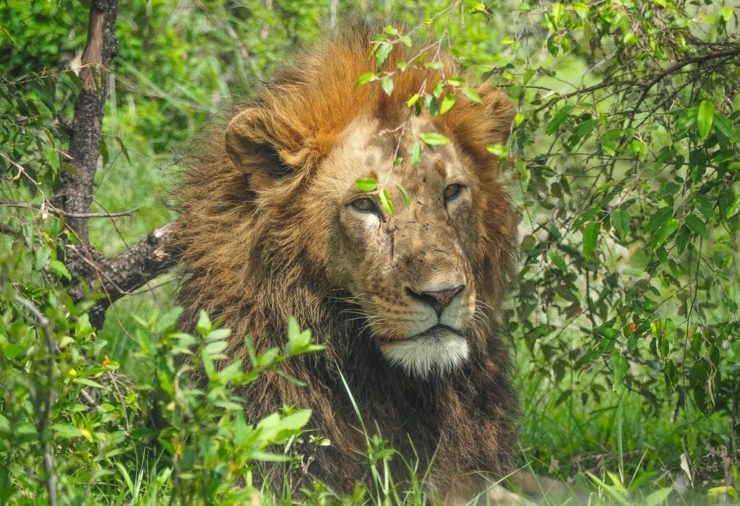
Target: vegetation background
(624,323)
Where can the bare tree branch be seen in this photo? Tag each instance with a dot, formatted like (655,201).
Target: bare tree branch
(84,147)
(54,210)
(125,273)
(121,275)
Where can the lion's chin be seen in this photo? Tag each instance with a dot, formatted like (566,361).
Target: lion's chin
(437,350)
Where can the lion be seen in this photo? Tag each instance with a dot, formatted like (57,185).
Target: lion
(407,304)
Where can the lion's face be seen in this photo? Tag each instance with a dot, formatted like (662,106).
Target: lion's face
(409,272)
(426,281)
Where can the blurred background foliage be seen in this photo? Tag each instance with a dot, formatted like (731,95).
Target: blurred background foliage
(623,163)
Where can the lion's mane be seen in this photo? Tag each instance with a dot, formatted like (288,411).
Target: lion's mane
(244,260)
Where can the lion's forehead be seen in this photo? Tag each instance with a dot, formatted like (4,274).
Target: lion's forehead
(370,149)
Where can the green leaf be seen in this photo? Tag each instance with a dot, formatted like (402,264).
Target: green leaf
(472,95)
(59,269)
(386,202)
(382,51)
(406,196)
(590,238)
(215,348)
(620,220)
(414,98)
(619,366)
(664,232)
(659,218)
(387,85)
(204,324)
(447,103)
(657,497)
(558,119)
(299,341)
(500,150)
(704,118)
(124,150)
(724,126)
(366,184)
(12,350)
(66,430)
(696,225)
(416,154)
(434,138)
(295,421)
(559,262)
(365,78)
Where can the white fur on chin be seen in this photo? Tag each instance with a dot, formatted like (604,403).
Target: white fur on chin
(439,351)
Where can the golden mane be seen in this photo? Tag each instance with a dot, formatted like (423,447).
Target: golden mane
(309,104)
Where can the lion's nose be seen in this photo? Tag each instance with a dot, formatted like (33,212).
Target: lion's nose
(438,299)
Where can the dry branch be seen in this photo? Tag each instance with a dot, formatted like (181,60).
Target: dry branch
(120,275)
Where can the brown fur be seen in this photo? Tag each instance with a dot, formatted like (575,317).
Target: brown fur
(259,244)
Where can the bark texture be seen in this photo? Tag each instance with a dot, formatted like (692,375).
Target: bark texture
(91,270)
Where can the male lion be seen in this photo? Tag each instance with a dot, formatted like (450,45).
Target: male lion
(407,304)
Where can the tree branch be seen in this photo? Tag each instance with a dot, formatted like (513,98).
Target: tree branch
(84,146)
(8,230)
(646,85)
(121,275)
(54,210)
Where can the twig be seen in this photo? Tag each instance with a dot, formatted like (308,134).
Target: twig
(50,479)
(55,210)
(8,230)
(645,85)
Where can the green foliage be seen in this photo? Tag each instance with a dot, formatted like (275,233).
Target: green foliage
(629,191)
(108,436)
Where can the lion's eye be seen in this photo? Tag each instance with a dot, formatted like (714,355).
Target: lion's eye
(364,205)
(452,192)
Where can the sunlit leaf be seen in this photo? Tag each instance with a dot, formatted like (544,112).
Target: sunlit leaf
(472,95)
(559,262)
(366,184)
(387,84)
(447,103)
(386,202)
(664,232)
(365,78)
(434,138)
(704,118)
(590,238)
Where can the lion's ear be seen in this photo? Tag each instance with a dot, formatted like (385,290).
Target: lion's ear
(253,146)
(499,112)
